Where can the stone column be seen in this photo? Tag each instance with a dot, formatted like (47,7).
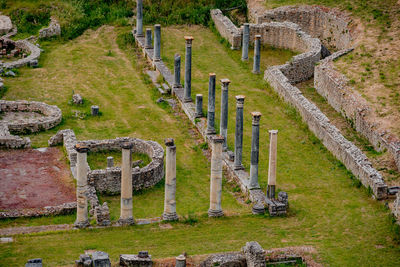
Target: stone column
(139,18)
(147,43)
(199,105)
(157,43)
(245,42)
(177,70)
(256,64)
(273,139)
(180,261)
(81,186)
(216,178)
(170,182)
(126,217)
(211,105)
(253,183)
(188,70)
(110,162)
(224,112)
(239,132)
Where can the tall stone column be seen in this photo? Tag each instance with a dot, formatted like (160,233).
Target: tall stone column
(239,132)
(147,43)
(126,217)
(157,43)
(253,184)
(211,105)
(188,70)
(170,181)
(139,18)
(177,70)
(257,46)
(245,42)
(216,178)
(273,141)
(224,112)
(81,186)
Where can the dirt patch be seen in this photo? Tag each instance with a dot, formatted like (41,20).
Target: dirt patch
(34,178)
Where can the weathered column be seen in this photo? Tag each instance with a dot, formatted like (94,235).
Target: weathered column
(211,104)
(188,70)
(157,43)
(216,178)
(256,64)
(239,132)
(147,43)
(180,261)
(224,112)
(273,140)
(170,181)
(126,217)
(177,70)
(81,186)
(199,105)
(139,18)
(245,42)
(253,183)
(110,162)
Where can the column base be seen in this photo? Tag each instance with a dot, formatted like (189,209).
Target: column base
(258,209)
(256,72)
(252,187)
(187,100)
(211,131)
(215,213)
(81,224)
(148,47)
(170,216)
(156,59)
(139,34)
(245,59)
(128,221)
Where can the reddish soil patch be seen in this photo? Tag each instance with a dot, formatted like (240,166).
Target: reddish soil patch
(34,178)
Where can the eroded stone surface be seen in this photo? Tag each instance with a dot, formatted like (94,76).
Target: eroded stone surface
(5,24)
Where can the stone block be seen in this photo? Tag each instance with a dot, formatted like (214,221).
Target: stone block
(100,259)
(255,255)
(34,263)
(130,260)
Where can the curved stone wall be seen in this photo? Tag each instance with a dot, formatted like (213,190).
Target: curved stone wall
(331,26)
(25,45)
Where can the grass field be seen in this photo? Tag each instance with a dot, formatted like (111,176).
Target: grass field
(344,224)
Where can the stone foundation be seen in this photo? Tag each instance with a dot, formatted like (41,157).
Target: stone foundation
(24,45)
(66,208)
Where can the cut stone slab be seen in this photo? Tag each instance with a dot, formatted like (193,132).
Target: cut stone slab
(130,260)
(5,24)
(100,259)
(6,239)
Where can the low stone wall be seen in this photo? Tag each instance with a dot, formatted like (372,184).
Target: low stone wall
(109,180)
(33,50)
(350,155)
(7,140)
(289,36)
(331,26)
(333,86)
(226,28)
(53,115)
(66,208)
(54,29)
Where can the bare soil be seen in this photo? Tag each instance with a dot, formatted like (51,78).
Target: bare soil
(34,178)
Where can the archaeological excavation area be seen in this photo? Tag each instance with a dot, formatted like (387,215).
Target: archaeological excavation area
(198,133)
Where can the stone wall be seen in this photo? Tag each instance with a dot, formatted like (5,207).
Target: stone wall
(333,86)
(109,180)
(350,155)
(289,36)
(226,28)
(28,47)
(54,29)
(329,25)
(66,208)
(396,207)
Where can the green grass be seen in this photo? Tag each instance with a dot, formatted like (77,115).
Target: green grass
(98,160)
(327,211)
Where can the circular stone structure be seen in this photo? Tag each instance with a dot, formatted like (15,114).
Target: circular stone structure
(108,180)
(23,117)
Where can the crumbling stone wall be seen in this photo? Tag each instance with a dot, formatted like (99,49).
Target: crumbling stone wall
(54,29)
(226,28)
(66,208)
(334,86)
(25,45)
(331,26)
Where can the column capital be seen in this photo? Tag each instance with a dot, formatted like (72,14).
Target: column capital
(218,139)
(127,145)
(225,81)
(177,56)
(189,39)
(258,36)
(169,142)
(273,132)
(159,26)
(240,100)
(81,148)
(256,117)
(212,74)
